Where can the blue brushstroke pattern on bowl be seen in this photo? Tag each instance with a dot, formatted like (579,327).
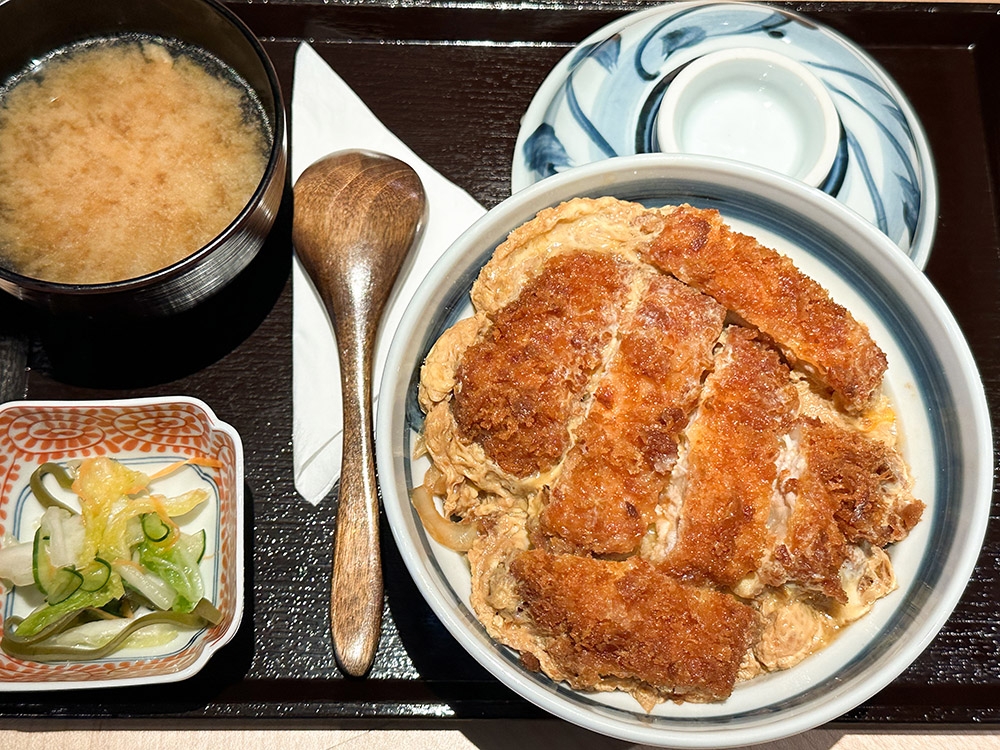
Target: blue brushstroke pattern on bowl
(601,101)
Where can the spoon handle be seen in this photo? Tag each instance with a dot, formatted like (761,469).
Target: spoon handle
(356,584)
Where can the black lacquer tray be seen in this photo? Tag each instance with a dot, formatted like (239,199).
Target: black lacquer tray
(452,80)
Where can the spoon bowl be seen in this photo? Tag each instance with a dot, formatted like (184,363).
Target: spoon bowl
(357,213)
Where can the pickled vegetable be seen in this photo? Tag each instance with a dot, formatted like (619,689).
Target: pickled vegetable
(119,565)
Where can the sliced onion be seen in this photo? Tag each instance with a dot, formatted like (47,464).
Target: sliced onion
(456,536)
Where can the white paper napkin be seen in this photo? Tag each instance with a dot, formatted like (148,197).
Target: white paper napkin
(328,116)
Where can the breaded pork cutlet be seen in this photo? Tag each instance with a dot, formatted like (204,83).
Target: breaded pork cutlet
(848,490)
(594,225)
(747,405)
(521,383)
(612,479)
(765,288)
(600,621)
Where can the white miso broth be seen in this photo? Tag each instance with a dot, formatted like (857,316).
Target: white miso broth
(119,157)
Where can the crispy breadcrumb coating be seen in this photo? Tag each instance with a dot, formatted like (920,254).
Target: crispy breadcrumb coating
(518,386)
(769,292)
(613,477)
(600,619)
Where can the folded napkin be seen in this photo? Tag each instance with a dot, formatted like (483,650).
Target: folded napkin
(328,116)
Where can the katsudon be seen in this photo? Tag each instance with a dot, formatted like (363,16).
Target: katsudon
(665,452)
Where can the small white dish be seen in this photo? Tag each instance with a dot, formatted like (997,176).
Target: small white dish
(755,106)
(145,434)
(932,379)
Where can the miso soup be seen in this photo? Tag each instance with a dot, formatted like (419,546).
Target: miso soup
(122,156)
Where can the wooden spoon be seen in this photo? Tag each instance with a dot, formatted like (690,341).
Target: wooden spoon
(356,215)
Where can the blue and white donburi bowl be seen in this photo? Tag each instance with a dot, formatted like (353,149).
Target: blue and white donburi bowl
(932,380)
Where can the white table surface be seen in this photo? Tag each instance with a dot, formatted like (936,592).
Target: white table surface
(507,735)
